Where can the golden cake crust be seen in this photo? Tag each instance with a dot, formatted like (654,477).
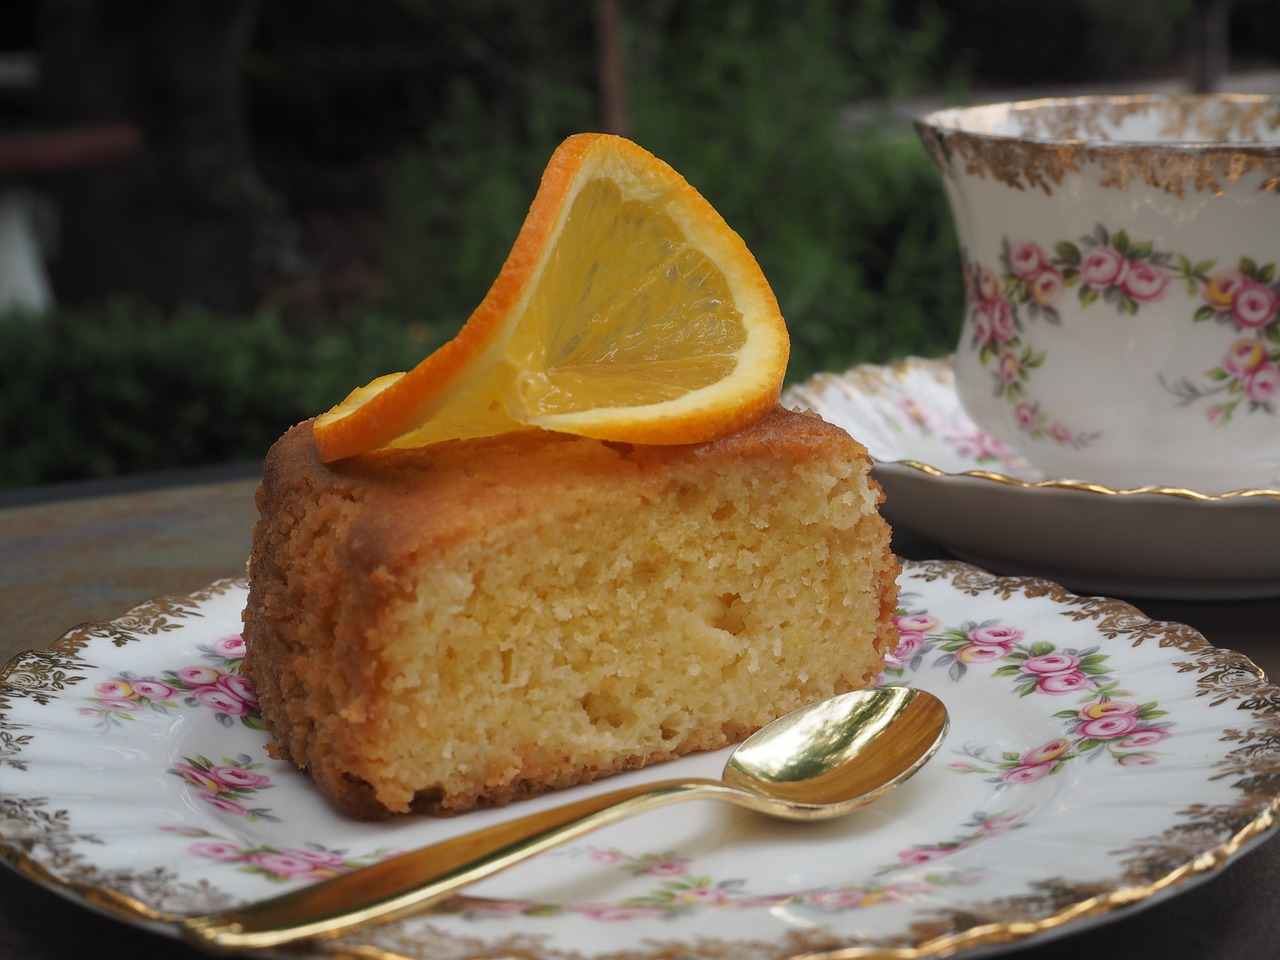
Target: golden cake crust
(390,594)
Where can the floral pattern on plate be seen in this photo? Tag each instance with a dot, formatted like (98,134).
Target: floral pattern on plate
(921,871)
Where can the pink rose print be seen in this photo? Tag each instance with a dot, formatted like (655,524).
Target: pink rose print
(1051,663)
(1263,384)
(1023,774)
(1220,290)
(1144,737)
(1103,266)
(988,284)
(154,690)
(1255,305)
(996,635)
(198,676)
(1247,377)
(917,622)
(1136,760)
(1110,708)
(1062,683)
(237,777)
(113,690)
(1244,357)
(232,647)
(982,827)
(1010,368)
(666,868)
(979,447)
(215,850)
(1047,287)
(1046,753)
(225,805)
(222,701)
(835,899)
(1108,728)
(226,785)
(980,653)
(1026,259)
(1145,282)
(277,864)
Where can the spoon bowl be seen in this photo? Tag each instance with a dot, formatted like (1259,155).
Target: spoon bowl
(830,758)
(824,760)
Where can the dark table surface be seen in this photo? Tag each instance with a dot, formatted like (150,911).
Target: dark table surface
(70,554)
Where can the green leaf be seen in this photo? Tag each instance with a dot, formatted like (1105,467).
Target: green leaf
(1267,273)
(1008,670)
(1140,251)
(1121,241)
(1088,296)
(1204,313)
(1068,252)
(1248,267)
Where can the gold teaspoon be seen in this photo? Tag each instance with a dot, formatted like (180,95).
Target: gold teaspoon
(821,761)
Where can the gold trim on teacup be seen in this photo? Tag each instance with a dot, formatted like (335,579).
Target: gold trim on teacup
(1204,143)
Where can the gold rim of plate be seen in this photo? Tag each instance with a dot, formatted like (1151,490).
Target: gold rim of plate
(157,616)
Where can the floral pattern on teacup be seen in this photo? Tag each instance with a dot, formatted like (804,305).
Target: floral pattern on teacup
(1127,273)
(1031,285)
(1245,298)
(1106,720)
(215,684)
(1115,269)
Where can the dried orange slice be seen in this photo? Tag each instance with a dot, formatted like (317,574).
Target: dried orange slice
(627,310)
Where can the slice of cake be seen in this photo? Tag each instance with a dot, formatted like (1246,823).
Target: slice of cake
(475,621)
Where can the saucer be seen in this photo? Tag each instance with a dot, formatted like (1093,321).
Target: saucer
(944,479)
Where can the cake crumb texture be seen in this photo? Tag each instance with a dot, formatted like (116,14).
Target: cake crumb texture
(477,621)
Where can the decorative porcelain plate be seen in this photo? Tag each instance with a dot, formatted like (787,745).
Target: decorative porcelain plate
(948,481)
(1096,761)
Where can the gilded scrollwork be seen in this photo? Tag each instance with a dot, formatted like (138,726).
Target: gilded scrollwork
(1206,143)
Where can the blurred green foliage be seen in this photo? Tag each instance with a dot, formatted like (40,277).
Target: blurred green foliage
(434,119)
(748,102)
(129,389)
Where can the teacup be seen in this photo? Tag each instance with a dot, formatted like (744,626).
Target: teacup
(1122,267)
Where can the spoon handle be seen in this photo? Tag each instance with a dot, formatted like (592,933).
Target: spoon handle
(405,884)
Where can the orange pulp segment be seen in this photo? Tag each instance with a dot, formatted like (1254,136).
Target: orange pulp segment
(627,310)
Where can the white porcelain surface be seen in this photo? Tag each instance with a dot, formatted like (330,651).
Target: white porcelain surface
(1086,742)
(947,480)
(1122,265)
